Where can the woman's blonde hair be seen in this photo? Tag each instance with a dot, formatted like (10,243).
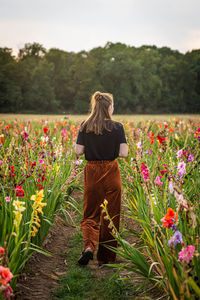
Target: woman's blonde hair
(100,103)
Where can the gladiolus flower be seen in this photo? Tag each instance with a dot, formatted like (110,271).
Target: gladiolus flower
(2,250)
(186,254)
(2,138)
(179,153)
(197,133)
(19,191)
(181,168)
(139,145)
(149,151)
(190,158)
(145,172)
(45,129)
(175,239)
(169,218)
(151,136)
(163,172)
(25,135)
(37,207)
(7,291)
(79,162)
(5,275)
(157,181)
(161,139)
(19,205)
(7,199)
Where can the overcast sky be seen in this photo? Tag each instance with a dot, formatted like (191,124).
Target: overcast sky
(75,25)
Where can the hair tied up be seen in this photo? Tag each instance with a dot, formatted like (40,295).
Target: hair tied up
(98,96)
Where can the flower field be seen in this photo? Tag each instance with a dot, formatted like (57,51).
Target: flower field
(161,180)
(161,192)
(38,170)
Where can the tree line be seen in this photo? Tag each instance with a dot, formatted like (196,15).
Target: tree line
(143,79)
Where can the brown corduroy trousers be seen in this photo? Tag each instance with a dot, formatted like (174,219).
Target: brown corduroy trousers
(101,181)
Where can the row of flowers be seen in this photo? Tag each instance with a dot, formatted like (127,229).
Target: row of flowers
(38,171)
(161,181)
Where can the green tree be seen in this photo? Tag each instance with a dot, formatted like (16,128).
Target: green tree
(40,95)
(10,92)
(61,78)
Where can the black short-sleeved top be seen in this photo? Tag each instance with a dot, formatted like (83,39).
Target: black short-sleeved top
(102,147)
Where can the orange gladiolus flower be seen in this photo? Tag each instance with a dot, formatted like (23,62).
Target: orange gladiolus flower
(169,218)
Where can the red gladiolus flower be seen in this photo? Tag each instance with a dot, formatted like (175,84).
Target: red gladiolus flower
(169,218)
(19,191)
(41,187)
(45,129)
(163,172)
(161,139)
(2,250)
(151,136)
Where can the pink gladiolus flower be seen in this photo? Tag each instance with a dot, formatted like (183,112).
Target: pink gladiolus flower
(145,172)
(179,153)
(149,151)
(64,130)
(25,135)
(197,133)
(186,254)
(7,291)
(181,168)
(7,199)
(139,145)
(130,178)
(79,162)
(157,181)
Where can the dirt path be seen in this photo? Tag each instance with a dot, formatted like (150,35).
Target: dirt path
(40,277)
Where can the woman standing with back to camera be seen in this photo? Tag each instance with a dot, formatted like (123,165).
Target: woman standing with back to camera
(102,140)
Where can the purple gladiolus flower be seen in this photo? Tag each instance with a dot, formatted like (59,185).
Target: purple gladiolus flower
(181,168)
(175,239)
(173,227)
(190,158)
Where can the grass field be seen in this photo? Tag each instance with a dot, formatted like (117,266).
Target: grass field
(78,118)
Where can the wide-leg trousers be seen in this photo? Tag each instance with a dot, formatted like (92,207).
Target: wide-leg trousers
(101,181)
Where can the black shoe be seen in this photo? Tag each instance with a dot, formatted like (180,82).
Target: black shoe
(85,257)
(101,263)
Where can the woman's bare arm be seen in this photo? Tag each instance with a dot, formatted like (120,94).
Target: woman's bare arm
(79,149)
(123,150)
